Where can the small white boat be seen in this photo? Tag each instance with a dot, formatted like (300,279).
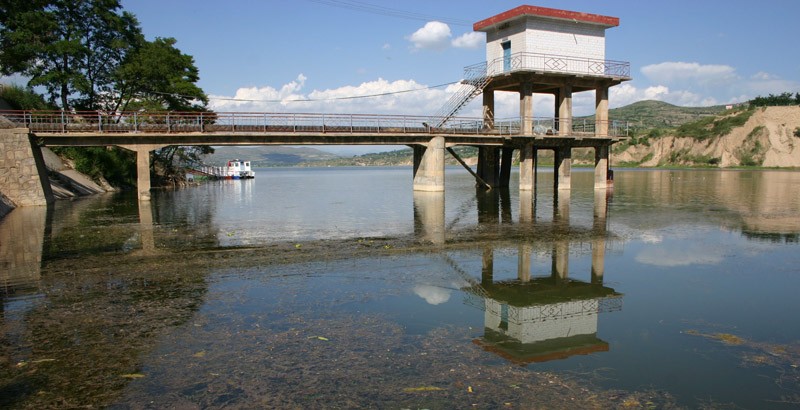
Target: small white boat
(237,169)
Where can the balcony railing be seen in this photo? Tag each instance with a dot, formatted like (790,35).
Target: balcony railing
(556,64)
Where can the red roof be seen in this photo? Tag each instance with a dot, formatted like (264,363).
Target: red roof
(536,11)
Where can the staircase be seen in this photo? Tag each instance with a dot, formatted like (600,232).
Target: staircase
(475,80)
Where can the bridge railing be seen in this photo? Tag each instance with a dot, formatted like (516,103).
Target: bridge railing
(65,122)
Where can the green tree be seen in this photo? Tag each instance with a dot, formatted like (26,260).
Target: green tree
(157,76)
(72,48)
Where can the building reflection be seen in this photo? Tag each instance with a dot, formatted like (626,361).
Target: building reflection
(540,318)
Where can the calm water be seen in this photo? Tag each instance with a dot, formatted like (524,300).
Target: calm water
(309,288)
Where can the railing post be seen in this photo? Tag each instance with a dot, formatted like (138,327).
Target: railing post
(233,122)
(169,128)
(265,122)
(202,123)
(351,123)
(294,122)
(323,123)
(135,121)
(99,122)
(63,122)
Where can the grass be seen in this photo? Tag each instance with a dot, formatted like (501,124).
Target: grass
(711,127)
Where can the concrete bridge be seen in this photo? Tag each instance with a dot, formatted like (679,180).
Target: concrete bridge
(143,132)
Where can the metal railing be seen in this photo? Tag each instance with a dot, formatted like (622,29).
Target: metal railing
(547,63)
(65,122)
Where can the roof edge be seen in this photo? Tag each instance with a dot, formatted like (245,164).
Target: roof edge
(536,11)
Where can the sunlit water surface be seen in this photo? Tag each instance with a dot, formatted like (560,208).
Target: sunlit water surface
(340,287)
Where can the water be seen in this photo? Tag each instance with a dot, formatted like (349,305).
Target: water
(341,287)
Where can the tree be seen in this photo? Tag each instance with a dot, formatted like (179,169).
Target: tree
(72,48)
(157,76)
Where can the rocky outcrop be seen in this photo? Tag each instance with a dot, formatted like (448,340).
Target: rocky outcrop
(767,139)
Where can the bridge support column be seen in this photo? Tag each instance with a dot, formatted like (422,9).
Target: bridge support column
(601,111)
(526,109)
(142,168)
(489,165)
(505,166)
(561,205)
(488,108)
(526,164)
(429,166)
(563,167)
(601,166)
(564,110)
(23,175)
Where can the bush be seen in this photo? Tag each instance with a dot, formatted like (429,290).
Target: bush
(710,127)
(21,98)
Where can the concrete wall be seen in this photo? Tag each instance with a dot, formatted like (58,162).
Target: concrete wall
(551,37)
(23,176)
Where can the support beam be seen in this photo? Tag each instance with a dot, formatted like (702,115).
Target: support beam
(601,111)
(564,105)
(601,167)
(505,166)
(563,167)
(526,164)
(429,175)
(489,165)
(526,109)
(488,108)
(479,180)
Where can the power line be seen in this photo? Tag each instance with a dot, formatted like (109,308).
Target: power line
(388,11)
(353,97)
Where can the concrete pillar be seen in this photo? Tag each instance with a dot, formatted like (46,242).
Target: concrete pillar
(526,167)
(419,151)
(489,165)
(429,217)
(429,175)
(488,206)
(526,109)
(564,102)
(488,108)
(505,166)
(23,174)
(601,166)
(563,167)
(601,111)
(143,174)
(526,208)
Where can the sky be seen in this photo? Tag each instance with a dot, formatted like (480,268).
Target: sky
(256,55)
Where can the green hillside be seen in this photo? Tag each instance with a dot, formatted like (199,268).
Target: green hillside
(268,156)
(658,114)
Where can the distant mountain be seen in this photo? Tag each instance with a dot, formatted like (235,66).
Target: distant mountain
(268,155)
(658,114)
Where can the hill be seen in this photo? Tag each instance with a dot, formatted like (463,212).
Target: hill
(268,156)
(768,137)
(658,114)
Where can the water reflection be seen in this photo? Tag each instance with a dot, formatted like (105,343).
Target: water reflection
(22,235)
(535,319)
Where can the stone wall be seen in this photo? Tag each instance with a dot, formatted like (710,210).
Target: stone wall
(23,176)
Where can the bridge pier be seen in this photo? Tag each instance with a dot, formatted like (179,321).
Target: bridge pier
(142,168)
(563,167)
(601,167)
(527,166)
(429,166)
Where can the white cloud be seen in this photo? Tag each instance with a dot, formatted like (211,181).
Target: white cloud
(435,35)
(338,100)
(432,294)
(681,73)
(387,46)
(472,39)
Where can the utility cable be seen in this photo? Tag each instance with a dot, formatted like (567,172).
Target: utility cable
(388,11)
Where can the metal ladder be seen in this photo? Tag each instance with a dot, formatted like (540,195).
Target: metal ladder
(476,78)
